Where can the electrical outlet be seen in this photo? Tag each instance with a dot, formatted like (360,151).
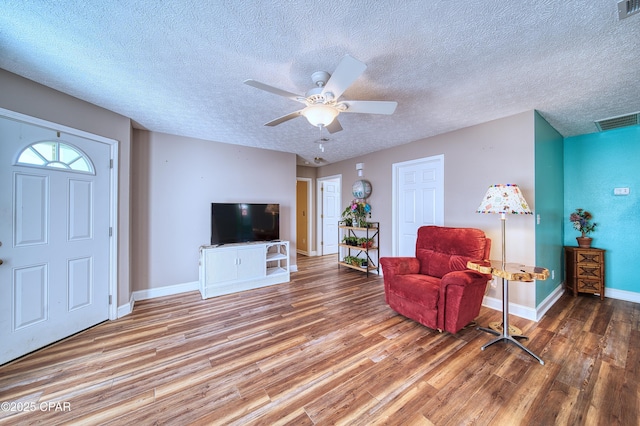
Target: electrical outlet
(553,274)
(620,191)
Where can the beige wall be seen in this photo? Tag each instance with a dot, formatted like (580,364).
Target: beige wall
(166,185)
(26,97)
(174,181)
(500,151)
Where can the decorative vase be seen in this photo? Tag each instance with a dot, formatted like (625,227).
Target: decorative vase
(584,242)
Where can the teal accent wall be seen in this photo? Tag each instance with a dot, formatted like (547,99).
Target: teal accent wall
(595,164)
(549,205)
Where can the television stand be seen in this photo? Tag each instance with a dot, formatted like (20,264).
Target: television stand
(232,268)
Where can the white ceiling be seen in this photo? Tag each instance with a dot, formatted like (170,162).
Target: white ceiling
(178,66)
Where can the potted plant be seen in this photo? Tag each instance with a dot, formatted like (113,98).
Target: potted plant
(350,240)
(365,242)
(357,211)
(581,220)
(350,260)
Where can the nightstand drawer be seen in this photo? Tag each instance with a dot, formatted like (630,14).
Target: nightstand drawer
(588,270)
(589,285)
(588,256)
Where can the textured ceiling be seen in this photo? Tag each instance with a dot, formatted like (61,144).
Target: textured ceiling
(178,66)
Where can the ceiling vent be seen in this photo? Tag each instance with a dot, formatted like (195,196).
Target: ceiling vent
(627,8)
(618,122)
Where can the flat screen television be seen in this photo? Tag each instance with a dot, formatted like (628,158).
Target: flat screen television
(244,222)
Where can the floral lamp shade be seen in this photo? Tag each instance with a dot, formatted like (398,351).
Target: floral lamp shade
(504,198)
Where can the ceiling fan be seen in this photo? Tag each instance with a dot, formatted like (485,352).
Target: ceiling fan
(322,104)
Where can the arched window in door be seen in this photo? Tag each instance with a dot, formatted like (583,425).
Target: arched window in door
(57,155)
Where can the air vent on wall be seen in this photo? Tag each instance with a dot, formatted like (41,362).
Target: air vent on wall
(617,122)
(627,8)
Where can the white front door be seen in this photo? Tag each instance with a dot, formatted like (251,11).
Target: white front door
(331,200)
(418,200)
(54,236)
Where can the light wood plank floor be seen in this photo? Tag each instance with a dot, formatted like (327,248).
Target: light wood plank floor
(325,349)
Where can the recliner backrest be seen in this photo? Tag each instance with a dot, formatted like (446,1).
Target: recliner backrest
(441,250)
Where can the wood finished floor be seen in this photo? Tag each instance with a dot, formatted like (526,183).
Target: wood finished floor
(325,349)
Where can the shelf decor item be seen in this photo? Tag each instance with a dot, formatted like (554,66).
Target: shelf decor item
(357,211)
(361,189)
(581,220)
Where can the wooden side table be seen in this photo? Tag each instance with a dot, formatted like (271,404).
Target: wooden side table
(513,272)
(584,270)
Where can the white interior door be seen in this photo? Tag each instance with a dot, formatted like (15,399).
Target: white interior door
(54,235)
(418,200)
(331,201)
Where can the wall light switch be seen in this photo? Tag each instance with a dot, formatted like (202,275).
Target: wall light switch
(620,191)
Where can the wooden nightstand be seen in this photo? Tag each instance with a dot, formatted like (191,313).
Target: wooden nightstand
(584,270)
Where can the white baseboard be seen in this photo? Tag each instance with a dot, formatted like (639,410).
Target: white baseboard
(548,302)
(127,308)
(628,296)
(169,290)
(514,309)
(526,312)
(152,293)
(536,314)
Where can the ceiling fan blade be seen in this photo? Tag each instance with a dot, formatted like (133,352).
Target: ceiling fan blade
(284,118)
(334,126)
(370,107)
(347,71)
(275,90)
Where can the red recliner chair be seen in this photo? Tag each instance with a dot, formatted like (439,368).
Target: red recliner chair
(436,288)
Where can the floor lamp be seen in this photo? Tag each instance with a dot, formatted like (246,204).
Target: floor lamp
(504,199)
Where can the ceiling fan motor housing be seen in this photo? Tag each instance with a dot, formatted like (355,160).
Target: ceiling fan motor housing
(320,78)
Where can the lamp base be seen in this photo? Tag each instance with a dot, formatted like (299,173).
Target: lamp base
(497,326)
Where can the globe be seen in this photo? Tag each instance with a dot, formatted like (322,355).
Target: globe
(361,189)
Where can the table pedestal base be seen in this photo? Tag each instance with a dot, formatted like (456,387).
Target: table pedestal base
(509,338)
(497,326)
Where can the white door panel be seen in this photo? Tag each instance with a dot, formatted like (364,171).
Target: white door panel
(331,213)
(54,235)
(418,200)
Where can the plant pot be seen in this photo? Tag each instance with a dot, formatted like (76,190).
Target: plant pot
(584,242)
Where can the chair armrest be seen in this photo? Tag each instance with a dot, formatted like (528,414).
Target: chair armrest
(399,265)
(464,278)
(461,295)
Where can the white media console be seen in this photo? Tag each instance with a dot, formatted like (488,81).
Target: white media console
(231,268)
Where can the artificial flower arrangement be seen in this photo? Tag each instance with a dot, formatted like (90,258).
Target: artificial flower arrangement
(357,211)
(582,221)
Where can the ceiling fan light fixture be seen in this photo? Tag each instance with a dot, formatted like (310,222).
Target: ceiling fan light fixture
(320,115)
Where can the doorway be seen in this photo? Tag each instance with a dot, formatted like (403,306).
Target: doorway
(56,233)
(329,202)
(304,220)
